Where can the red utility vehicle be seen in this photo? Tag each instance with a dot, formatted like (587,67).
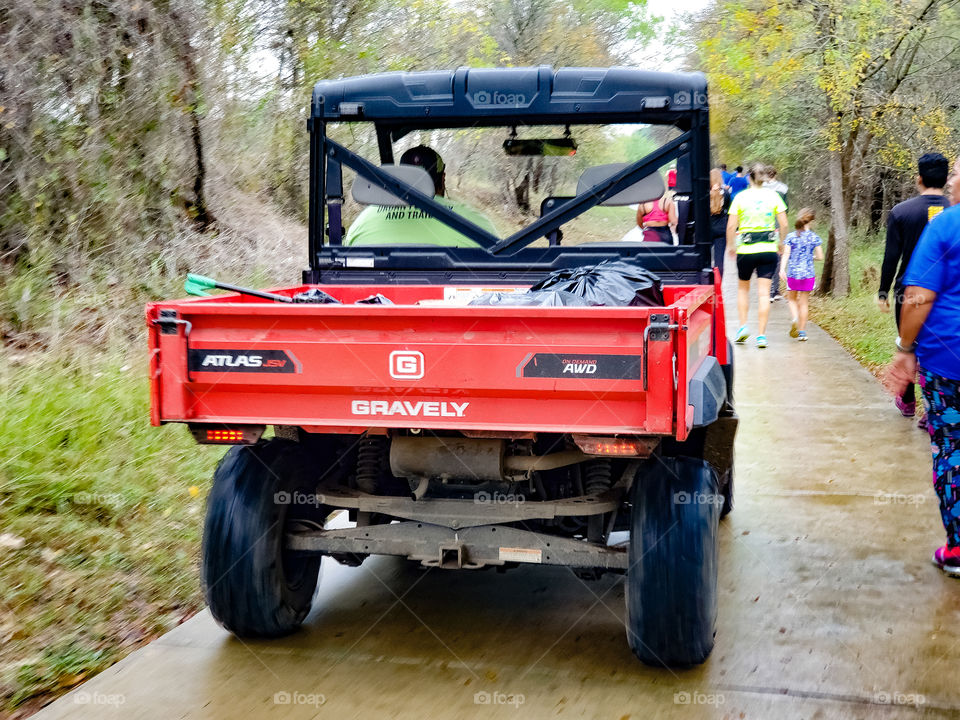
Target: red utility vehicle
(470,436)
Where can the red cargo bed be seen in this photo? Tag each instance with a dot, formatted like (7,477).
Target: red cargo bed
(341,368)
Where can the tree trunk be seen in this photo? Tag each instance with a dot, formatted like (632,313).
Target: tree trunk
(826,277)
(840,275)
(185,52)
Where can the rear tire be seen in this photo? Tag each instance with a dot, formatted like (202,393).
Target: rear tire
(671,591)
(253,586)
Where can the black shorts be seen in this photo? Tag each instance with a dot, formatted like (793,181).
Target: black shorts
(764,263)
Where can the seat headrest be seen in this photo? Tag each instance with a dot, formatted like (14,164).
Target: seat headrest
(366,193)
(649,188)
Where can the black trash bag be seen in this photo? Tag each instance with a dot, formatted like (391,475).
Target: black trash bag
(315,295)
(547,298)
(612,282)
(377,299)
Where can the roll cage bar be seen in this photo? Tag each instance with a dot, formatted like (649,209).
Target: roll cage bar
(399,103)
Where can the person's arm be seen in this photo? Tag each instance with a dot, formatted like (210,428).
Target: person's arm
(917,302)
(926,277)
(733,224)
(902,371)
(782,227)
(672,217)
(641,211)
(892,253)
(784,261)
(818,250)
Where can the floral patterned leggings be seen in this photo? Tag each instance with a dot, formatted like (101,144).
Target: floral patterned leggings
(941,398)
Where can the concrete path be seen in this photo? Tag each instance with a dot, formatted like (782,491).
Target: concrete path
(829,606)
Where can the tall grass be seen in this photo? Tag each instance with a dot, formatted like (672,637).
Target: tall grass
(855,321)
(100,515)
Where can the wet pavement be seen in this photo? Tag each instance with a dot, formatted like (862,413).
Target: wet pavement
(829,606)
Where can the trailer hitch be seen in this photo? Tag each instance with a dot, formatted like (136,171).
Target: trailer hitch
(658,330)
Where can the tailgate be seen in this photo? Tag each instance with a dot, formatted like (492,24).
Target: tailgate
(346,368)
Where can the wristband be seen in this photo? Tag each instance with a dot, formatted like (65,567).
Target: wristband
(908,348)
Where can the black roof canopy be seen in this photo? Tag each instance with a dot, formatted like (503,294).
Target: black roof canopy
(397,103)
(500,96)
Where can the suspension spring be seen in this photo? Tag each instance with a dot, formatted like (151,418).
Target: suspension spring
(598,476)
(371,463)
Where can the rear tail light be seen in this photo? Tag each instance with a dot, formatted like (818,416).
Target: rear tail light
(227,434)
(616,446)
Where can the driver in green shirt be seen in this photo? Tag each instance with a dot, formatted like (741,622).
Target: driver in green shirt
(407,225)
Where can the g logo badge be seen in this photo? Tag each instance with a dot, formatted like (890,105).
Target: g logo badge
(406,365)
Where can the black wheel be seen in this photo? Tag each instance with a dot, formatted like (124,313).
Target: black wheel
(253,586)
(672,579)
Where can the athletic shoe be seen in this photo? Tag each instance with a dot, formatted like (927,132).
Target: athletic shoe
(802,336)
(922,422)
(908,410)
(761,341)
(742,334)
(793,329)
(948,559)
(778,296)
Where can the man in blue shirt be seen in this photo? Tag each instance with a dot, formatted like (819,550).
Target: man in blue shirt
(929,345)
(738,183)
(726,175)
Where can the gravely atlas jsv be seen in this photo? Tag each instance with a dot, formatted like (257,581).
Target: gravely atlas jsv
(466,437)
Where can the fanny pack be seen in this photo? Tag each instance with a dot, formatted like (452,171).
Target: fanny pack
(750,238)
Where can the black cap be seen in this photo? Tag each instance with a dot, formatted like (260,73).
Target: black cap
(428,159)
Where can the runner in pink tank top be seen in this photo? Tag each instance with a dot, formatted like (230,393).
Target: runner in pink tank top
(655,220)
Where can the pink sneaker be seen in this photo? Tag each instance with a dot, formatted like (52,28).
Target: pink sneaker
(906,409)
(948,559)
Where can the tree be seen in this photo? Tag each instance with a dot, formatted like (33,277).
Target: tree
(824,86)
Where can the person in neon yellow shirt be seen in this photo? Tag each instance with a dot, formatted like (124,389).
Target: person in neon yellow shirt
(407,225)
(755,215)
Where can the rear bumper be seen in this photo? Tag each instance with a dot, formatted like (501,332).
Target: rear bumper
(470,548)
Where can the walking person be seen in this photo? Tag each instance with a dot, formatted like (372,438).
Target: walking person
(657,218)
(726,176)
(800,249)
(754,215)
(782,189)
(738,183)
(928,345)
(719,214)
(906,222)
